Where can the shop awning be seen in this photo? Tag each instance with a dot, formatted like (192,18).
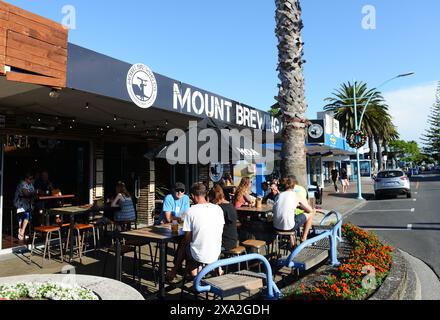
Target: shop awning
(211,141)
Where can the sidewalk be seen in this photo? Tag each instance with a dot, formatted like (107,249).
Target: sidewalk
(347,203)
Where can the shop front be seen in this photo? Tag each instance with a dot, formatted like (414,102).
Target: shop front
(90,121)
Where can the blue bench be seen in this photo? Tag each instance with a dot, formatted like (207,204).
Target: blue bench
(317,249)
(237,282)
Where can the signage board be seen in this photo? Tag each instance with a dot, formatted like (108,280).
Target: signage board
(316,132)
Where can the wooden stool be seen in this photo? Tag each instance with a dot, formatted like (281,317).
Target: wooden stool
(256,245)
(283,235)
(238,251)
(48,232)
(138,244)
(124,250)
(84,228)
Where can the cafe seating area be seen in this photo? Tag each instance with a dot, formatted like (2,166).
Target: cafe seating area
(141,256)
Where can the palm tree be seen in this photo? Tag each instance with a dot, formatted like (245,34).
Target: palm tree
(384,137)
(291,97)
(377,122)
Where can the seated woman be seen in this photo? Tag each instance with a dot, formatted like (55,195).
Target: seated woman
(124,201)
(230,234)
(243,195)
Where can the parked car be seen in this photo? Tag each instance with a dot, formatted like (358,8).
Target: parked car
(392,182)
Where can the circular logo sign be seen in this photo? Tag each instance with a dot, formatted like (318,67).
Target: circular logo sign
(142,85)
(216,172)
(316,131)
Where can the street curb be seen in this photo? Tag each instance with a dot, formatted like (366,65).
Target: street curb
(393,288)
(413,288)
(358,206)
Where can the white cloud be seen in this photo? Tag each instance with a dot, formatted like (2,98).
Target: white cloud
(410,109)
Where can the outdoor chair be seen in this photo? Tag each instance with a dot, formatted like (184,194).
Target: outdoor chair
(256,246)
(238,251)
(125,249)
(82,231)
(282,241)
(46,233)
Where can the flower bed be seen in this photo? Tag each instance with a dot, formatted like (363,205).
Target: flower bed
(45,291)
(359,275)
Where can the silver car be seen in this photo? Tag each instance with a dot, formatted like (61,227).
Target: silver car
(392,182)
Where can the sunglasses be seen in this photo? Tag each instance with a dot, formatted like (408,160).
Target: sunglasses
(180,190)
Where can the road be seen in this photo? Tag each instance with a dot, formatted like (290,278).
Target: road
(412,225)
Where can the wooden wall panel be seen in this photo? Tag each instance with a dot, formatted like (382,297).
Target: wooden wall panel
(35,45)
(4,16)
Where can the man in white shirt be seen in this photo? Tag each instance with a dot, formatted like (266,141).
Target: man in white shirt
(203,226)
(284,218)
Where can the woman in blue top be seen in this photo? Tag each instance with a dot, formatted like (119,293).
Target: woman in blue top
(124,201)
(23,201)
(174,204)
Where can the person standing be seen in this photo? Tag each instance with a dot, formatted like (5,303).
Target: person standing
(335,178)
(23,202)
(344,180)
(174,204)
(203,226)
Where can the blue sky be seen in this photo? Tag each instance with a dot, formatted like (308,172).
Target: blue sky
(229,47)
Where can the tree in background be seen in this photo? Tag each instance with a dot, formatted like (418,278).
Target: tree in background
(291,98)
(431,138)
(377,122)
(406,151)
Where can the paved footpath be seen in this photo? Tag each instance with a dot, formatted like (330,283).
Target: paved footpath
(347,203)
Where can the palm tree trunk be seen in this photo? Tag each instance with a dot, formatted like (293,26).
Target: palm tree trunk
(378,142)
(291,94)
(371,146)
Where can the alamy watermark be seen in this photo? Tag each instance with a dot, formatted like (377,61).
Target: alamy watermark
(369,281)
(69,17)
(213,145)
(369,17)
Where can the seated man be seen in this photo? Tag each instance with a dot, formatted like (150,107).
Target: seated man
(203,227)
(174,204)
(284,218)
(273,194)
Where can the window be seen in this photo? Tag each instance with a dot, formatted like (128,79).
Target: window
(390,174)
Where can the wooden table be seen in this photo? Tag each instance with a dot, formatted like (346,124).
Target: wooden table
(265,209)
(45,199)
(161,235)
(72,212)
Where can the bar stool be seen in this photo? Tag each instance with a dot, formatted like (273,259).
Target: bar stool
(47,231)
(236,252)
(80,238)
(125,249)
(256,246)
(282,240)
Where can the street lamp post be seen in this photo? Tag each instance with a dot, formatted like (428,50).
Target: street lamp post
(358,125)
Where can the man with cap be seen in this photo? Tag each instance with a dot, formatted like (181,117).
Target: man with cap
(174,204)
